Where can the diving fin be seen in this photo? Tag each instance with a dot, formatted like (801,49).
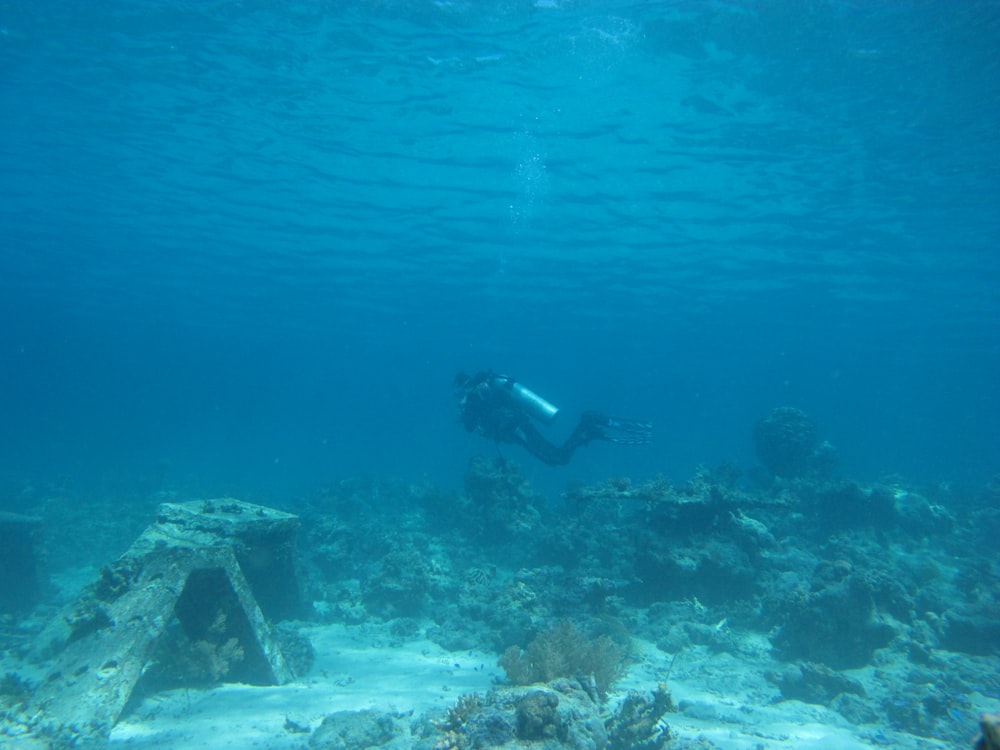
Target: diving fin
(624,431)
(630,431)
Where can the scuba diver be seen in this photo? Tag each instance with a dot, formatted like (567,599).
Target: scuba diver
(498,407)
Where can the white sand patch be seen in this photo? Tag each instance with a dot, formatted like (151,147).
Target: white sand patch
(721,697)
(356,668)
(727,699)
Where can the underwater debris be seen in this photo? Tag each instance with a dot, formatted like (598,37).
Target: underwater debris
(180,606)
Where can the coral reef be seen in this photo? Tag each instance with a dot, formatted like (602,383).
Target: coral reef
(837,505)
(832,575)
(560,714)
(836,625)
(500,503)
(399,582)
(537,717)
(835,572)
(803,574)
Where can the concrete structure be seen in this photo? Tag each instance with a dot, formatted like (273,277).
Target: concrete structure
(190,602)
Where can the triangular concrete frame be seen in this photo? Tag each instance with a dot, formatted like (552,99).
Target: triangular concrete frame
(101,645)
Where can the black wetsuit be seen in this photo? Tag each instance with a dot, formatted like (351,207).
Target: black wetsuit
(492,411)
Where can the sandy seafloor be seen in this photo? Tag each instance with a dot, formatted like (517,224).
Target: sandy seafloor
(723,697)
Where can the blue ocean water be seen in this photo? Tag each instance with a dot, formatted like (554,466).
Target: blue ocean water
(246,245)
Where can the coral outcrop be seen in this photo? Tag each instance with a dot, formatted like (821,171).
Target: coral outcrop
(562,714)
(786,444)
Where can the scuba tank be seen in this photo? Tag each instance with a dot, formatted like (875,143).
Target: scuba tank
(530,401)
